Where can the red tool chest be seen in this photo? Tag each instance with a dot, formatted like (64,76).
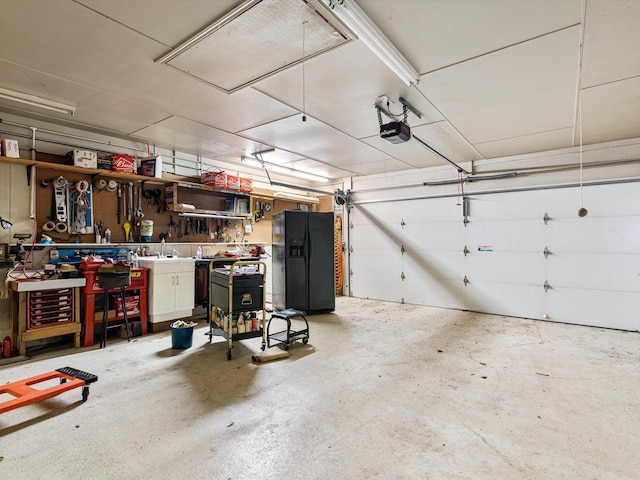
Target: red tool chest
(135,297)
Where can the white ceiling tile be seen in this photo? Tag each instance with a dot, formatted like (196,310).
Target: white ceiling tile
(168,22)
(611,42)
(347,98)
(435,34)
(611,111)
(524,89)
(526,143)
(321,142)
(192,137)
(378,167)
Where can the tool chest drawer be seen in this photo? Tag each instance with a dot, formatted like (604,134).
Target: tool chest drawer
(48,307)
(248,291)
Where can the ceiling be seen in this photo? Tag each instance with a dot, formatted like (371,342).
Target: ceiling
(497,77)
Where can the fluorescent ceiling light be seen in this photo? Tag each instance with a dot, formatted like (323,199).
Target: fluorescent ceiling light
(295,196)
(309,176)
(274,167)
(357,21)
(34,101)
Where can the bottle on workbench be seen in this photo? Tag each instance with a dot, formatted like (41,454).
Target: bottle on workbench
(199,253)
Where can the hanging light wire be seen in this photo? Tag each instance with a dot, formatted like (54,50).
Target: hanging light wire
(582,212)
(304,102)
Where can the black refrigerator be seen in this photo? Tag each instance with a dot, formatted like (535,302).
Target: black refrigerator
(303,261)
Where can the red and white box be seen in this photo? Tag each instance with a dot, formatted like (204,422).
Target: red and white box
(133,305)
(246,184)
(233,182)
(123,163)
(214,179)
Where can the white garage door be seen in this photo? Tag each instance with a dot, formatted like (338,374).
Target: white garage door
(421,252)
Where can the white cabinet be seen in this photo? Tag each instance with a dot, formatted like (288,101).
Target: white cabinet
(171,287)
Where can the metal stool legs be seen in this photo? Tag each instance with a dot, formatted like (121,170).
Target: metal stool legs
(105,316)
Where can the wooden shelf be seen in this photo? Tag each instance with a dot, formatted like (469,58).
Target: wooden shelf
(85,171)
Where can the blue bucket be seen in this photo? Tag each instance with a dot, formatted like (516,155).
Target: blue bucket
(181,337)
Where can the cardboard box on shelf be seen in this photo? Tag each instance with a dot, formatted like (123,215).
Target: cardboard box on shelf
(83,158)
(10,148)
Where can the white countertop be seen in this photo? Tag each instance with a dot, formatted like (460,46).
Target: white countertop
(34,285)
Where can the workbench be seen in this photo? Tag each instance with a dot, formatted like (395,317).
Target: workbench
(45,308)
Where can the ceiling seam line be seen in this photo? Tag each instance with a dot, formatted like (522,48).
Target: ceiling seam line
(121,24)
(611,82)
(523,135)
(500,49)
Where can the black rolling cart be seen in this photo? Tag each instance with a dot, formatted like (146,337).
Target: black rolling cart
(237,302)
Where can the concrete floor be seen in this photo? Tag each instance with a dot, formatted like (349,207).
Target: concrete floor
(382,391)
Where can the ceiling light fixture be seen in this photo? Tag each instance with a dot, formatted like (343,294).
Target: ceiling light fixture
(39,102)
(349,13)
(309,176)
(274,167)
(295,196)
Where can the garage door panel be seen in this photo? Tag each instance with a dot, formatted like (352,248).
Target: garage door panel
(432,265)
(595,308)
(435,292)
(507,235)
(595,234)
(437,210)
(377,261)
(365,237)
(377,286)
(509,267)
(434,236)
(504,299)
(595,271)
(517,205)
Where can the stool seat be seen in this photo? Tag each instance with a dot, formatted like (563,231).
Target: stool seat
(288,336)
(289,313)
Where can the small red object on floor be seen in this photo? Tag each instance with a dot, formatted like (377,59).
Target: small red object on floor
(25,394)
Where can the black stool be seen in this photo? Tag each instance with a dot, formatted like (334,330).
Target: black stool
(109,280)
(288,336)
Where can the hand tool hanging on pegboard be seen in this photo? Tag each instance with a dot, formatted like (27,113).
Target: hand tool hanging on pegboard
(119,204)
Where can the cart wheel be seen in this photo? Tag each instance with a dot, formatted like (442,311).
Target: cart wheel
(229,355)
(63,380)
(286,346)
(305,340)
(85,393)
(263,346)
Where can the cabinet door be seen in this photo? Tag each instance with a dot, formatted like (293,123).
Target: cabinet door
(184,287)
(162,301)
